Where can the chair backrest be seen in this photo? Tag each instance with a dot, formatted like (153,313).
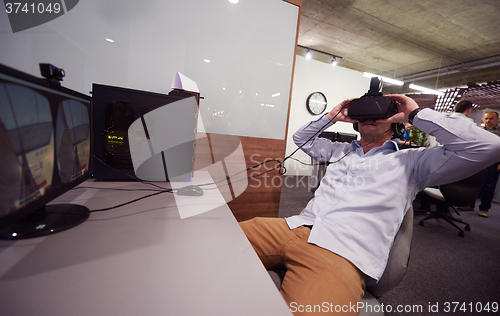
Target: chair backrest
(398,258)
(464,192)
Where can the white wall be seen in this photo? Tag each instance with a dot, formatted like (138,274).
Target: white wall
(250,46)
(336,83)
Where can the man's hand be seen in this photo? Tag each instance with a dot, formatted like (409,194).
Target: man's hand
(405,106)
(339,113)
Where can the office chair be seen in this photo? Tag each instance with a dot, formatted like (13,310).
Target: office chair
(460,193)
(394,271)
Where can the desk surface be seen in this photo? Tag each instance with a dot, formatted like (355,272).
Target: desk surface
(156,256)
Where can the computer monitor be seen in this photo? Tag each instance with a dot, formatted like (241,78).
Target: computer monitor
(46,150)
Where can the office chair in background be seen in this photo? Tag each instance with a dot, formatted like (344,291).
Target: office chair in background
(460,193)
(393,273)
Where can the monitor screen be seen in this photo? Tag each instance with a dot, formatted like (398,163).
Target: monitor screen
(45,136)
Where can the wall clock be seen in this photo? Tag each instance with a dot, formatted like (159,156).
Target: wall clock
(316,103)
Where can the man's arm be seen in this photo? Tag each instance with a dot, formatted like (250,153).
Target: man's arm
(307,139)
(466,149)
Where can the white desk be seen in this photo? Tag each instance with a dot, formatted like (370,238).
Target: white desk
(140,259)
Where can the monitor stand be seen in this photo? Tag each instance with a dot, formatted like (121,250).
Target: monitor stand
(47,220)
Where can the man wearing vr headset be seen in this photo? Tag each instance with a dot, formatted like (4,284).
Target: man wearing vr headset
(343,236)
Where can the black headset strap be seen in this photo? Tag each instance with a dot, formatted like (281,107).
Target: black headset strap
(375,87)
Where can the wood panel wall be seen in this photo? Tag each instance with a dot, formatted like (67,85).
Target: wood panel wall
(262,196)
(296,2)
(225,156)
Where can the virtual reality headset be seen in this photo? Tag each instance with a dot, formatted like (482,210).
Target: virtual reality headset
(373,105)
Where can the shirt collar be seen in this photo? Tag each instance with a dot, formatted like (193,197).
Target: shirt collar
(390,144)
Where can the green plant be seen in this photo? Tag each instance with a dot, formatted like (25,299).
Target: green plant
(417,137)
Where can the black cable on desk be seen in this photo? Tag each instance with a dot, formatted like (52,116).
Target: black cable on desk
(129,202)
(121,189)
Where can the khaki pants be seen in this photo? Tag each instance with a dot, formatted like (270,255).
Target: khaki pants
(317,281)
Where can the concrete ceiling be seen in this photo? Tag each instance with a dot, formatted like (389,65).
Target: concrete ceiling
(432,43)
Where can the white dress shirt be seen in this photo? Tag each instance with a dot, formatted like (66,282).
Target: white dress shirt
(461,115)
(362,199)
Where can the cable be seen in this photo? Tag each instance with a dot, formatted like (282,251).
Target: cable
(332,162)
(160,191)
(280,167)
(247,169)
(315,134)
(117,189)
(129,202)
(132,214)
(350,151)
(131,176)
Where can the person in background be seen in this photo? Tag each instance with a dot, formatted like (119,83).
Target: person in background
(462,109)
(490,121)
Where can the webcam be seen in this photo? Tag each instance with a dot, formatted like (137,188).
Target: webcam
(51,72)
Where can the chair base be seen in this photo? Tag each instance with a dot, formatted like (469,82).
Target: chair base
(439,213)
